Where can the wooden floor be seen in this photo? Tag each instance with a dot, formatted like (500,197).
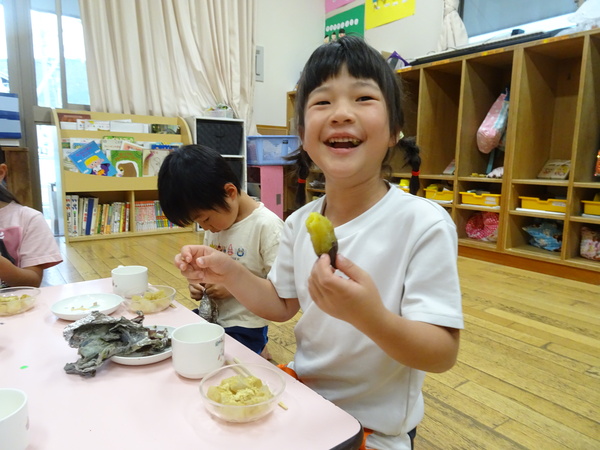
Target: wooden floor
(528,374)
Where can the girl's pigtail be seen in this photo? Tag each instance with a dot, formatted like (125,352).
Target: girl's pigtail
(6,196)
(413,159)
(303,162)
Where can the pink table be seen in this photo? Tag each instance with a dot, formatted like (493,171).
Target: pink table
(150,406)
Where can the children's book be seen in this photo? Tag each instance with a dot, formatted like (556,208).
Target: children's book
(449,170)
(90,159)
(125,145)
(556,169)
(153,159)
(161,128)
(127,162)
(114,142)
(68,121)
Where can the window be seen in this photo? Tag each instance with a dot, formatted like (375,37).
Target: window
(4,87)
(483,17)
(47,66)
(48,54)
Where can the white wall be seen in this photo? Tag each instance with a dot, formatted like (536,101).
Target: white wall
(289,30)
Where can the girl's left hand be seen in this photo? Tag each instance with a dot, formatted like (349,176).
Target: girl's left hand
(349,299)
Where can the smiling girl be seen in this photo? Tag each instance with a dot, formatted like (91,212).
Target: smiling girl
(392,310)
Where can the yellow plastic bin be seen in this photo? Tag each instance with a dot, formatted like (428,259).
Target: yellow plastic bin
(590,207)
(471,198)
(439,196)
(551,205)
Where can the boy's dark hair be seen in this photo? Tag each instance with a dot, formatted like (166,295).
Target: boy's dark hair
(191,179)
(362,62)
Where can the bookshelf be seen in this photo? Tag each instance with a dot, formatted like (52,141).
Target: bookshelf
(554,113)
(109,190)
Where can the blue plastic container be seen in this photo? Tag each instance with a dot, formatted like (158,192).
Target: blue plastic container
(270,150)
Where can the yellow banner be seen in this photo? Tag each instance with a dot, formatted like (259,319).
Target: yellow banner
(380,12)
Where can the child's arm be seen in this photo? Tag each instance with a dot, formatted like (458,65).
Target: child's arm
(20,276)
(356,300)
(203,264)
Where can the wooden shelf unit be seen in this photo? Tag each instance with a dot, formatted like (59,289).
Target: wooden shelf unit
(554,113)
(113,189)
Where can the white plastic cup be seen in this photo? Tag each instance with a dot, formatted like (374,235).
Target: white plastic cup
(198,349)
(14,419)
(128,281)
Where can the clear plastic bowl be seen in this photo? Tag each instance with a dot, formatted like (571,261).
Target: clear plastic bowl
(15,300)
(269,375)
(151,302)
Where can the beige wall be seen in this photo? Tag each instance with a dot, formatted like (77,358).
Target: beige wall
(289,30)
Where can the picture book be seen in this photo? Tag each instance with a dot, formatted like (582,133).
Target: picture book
(449,170)
(114,142)
(90,159)
(555,169)
(125,145)
(153,159)
(127,162)
(69,145)
(160,128)
(69,120)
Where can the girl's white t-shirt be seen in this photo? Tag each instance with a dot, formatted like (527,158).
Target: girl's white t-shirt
(253,242)
(408,245)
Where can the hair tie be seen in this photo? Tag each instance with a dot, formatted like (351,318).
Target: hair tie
(301,181)
(415,173)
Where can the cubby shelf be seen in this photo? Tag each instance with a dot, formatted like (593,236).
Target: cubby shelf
(554,113)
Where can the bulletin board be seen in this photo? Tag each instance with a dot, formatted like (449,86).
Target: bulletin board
(380,12)
(351,21)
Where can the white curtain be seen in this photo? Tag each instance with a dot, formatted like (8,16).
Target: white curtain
(170,57)
(454,33)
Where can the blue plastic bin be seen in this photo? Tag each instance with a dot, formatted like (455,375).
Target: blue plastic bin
(270,150)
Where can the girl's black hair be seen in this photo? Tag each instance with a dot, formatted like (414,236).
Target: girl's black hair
(191,179)
(363,62)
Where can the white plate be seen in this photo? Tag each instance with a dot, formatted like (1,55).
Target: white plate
(133,360)
(75,308)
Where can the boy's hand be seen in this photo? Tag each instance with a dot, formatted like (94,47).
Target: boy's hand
(196,291)
(203,264)
(217,291)
(349,299)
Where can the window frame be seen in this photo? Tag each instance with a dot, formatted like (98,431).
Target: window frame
(22,80)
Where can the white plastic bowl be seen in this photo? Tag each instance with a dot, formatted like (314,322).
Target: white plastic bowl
(270,376)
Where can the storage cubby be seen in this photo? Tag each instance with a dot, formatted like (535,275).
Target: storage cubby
(461,218)
(546,105)
(437,127)
(485,78)
(518,240)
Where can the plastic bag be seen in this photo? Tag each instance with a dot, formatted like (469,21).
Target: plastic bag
(545,234)
(489,134)
(590,243)
(483,226)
